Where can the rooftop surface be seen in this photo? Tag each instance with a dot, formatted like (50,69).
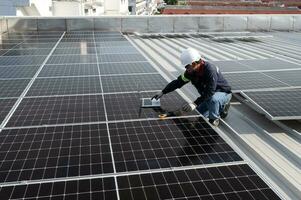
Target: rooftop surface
(72,127)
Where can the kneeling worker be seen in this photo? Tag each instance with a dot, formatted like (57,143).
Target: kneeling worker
(215,91)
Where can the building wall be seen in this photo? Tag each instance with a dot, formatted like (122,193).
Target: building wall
(7,8)
(116,6)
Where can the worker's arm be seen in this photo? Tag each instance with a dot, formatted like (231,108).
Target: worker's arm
(210,88)
(175,84)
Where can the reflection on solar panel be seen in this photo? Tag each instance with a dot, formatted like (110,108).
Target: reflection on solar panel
(61,151)
(127,106)
(168,143)
(65,86)
(278,104)
(133,83)
(228,182)
(80,125)
(58,110)
(76,189)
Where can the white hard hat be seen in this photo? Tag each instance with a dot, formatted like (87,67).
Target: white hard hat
(189,55)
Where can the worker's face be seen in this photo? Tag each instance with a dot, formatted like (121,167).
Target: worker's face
(193,67)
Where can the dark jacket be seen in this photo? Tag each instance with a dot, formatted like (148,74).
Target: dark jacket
(207,82)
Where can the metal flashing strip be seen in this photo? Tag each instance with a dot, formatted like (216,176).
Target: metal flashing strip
(5,121)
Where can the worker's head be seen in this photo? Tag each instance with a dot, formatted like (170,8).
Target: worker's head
(190,58)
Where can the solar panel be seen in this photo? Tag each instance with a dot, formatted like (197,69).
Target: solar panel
(278,104)
(35,46)
(133,83)
(113,43)
(231,66)
(121,57)
(55,152)
(69,70)
(18,71)
(127,106)
(78,39)
(76,59)
(144,145)
(268,64)
(109,39)
(226,182)
(80,51)
(74,189)
(65,86)
(21,60)
(12,87)
(76,45)
(126,68)
(58,110)
(253,80)
(5,106)
(289,77)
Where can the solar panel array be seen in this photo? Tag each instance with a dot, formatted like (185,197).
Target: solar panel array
(72,127)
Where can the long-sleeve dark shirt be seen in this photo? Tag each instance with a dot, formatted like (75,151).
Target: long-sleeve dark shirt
(207,82)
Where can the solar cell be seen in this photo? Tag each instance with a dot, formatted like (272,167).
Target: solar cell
(144,145)
(120,57)
(126,68)
(54,152)
(103,189)
(80,51)
(86,39)
(292,78)
(109,39)
(278,104)
(69,70)
(21,60)
(133,83)
(76,59)
(76,45)
(12,87)
(65,86)
(117,50)
(18,71)
(127,106)
(253,80)
(28,52)
(35,46)
(113,43)
(224,182)
(58,110)
(5,106)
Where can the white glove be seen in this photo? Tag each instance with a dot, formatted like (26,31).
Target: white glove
(157,96)
(189,107)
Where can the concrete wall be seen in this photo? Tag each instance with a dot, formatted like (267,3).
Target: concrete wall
(64,8)
(143,24)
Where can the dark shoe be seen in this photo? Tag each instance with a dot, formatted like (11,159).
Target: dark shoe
(214,122)
(225,111)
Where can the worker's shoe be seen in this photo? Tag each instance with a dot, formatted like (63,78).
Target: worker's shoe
(225,111)
(214,122)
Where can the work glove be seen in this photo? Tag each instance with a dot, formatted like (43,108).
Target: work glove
(189,107)
(157,96)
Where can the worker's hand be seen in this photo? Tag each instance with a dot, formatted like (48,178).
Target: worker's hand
(189,107)
(157,96)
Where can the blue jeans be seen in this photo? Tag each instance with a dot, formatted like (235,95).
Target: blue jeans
(214,106)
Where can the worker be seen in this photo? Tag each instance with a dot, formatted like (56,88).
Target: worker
(215,91)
